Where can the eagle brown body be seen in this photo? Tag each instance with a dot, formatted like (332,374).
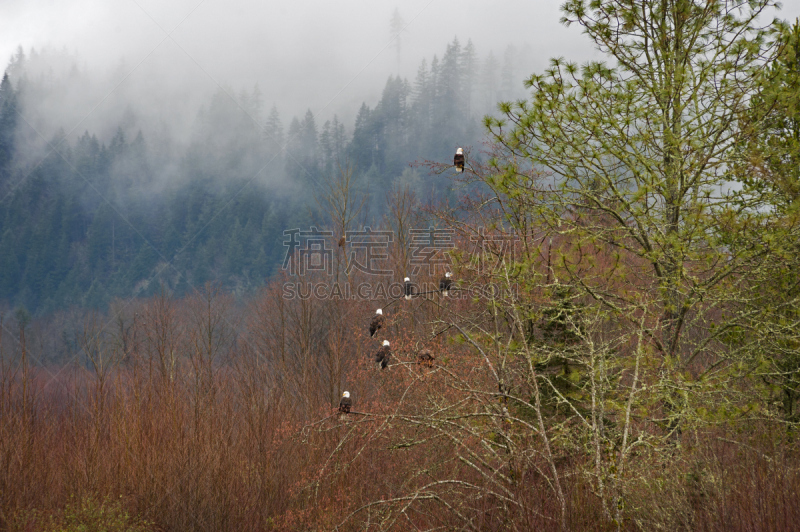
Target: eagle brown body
(344,405)
(408,288)
(383,354)
(459,160)
(376,324)
(444,284)
(425,358)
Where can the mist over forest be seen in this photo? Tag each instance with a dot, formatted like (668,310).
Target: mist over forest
(169,190)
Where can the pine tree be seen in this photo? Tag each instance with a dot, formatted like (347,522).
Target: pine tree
(363,144)
(9,266)
(309,144)
(8,126)
(433,82)
(390,122)
(421,107)
(326,147)
(308,135)
(235,253)
(469,65)
(338,140)
(294,151)
(450,87)
(16,67)
(273,136)
(770,156)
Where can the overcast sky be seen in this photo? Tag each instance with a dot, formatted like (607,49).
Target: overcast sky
(233,36)
(329,55)
(322,52)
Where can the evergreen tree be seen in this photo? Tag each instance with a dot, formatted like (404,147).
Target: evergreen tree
(420,119)
(16,67)
(449,96)
(363,143)
(390,124)
(302,162)
(99,239)
(768,167)
(9,266)
(274,140)
(469,65)
(326,148)
(294,154)
(141,268)
(235,255)
(770,155)
(338,140)
(8,126)
(308,136)
(433,81)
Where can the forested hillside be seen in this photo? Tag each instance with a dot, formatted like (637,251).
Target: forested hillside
(85,219)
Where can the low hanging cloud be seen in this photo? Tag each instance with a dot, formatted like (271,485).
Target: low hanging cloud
(163,60)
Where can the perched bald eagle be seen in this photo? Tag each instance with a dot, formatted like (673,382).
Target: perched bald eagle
(344,403)
(458,160)
(342,241)
(376,323)
(425,358)
(445,283)
(382,356)
(409,288)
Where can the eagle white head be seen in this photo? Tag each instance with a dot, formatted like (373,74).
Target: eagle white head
(447,275)
(379,312)
(346,394)
(386,343)
(459,152)
(406,280)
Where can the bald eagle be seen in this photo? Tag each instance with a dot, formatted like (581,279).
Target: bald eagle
(409,288)
(342,241)
(458,160)
(344,403)
(445,283)
(425,358)
(376,323)
(382,356)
